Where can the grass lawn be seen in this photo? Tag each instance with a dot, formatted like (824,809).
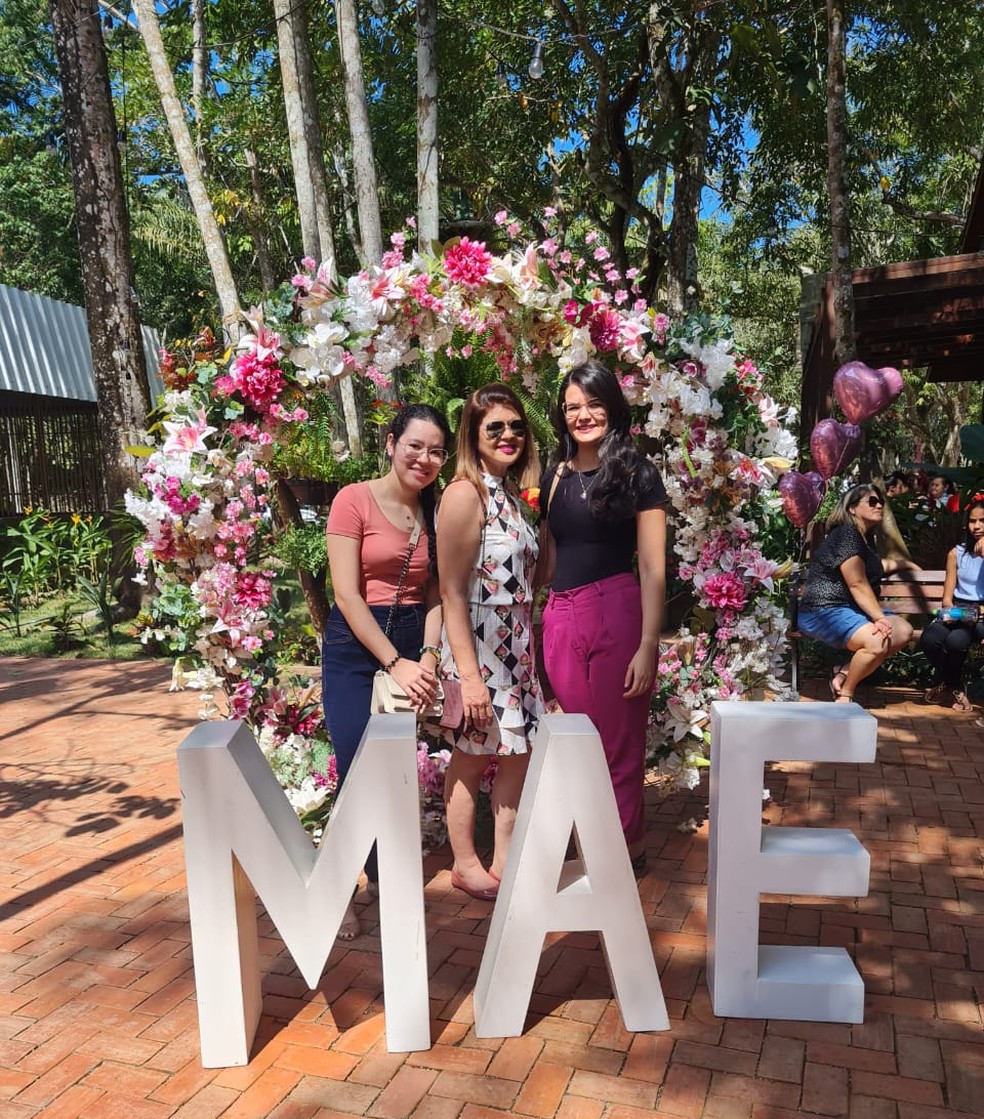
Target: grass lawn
(65,625)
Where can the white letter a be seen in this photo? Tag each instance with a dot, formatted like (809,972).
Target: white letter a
(567,789)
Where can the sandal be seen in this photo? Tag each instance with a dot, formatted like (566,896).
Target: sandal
(936,693)
(835,687)
(961,702)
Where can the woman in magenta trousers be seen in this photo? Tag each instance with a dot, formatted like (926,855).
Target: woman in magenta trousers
(603,509)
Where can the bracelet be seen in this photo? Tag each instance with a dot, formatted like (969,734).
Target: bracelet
(433,649)
(392,663)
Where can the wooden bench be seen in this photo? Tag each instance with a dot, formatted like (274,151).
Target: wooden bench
(918,594)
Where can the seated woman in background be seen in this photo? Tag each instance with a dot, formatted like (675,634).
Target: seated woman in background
(947,643)
(840,599)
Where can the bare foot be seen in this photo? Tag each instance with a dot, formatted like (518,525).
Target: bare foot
(350,928)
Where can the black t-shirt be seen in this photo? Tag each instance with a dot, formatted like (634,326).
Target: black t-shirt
(825,585)
(589,549)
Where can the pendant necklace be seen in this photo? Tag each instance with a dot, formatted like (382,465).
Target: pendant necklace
(584,488)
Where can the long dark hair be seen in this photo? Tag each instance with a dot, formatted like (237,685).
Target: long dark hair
(614,493)
(976,502)
(428,495)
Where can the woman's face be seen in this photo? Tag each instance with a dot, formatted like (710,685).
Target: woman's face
(869,511)
(418,454)
(585,416)
(937,487)
(502,436)
(975,522)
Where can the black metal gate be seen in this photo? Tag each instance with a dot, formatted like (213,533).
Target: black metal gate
(49,455)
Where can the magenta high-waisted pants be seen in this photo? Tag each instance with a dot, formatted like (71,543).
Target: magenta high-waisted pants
(589,636)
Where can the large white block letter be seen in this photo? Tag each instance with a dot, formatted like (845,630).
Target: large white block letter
(567,787)
(241,834)
(749,980)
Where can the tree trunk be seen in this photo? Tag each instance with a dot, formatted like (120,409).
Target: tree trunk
(315,595)
(428,212)
(839,201)
(367,196)
(115,340)
(308,161)
(215,249)
(258,224)
(304,130)
(199,70)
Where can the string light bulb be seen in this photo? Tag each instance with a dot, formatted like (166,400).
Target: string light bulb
(536,62)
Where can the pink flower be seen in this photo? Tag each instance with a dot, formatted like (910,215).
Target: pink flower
(601,253)
(725,591)
(252,590)
(604,328)
(188,439)
(467,263)
(501,217)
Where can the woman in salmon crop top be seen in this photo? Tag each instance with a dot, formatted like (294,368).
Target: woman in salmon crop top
(370,526)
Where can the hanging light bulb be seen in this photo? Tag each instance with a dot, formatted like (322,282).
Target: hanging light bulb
(379,7)
(501,76)
(536,62)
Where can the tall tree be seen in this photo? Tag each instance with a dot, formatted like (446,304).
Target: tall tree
(215,247)
(366,191)
(839,199)
(304,129)
(428,197)
(104,240)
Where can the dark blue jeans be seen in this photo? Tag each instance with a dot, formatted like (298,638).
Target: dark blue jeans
(347,669)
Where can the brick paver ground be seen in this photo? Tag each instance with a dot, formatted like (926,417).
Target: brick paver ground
(97,1013)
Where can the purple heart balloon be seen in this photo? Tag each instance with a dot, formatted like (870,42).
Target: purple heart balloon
(833,446)
(863,392)
(800,497)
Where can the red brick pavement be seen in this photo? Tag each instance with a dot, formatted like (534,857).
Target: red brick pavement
(97,1014)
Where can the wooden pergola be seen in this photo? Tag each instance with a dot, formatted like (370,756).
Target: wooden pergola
(913,314)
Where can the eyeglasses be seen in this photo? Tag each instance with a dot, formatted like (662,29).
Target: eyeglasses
(413,449)
(594,407)
(497,428)
(874,502)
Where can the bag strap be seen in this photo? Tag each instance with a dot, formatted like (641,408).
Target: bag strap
(411,548)
(553,487)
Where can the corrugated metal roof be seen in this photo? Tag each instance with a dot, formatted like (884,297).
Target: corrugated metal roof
(44,348)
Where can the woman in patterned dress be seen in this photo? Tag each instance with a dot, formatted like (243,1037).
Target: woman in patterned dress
(487,554)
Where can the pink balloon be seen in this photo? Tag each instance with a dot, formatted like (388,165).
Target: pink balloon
(833,445)
(800,497)
(863,392)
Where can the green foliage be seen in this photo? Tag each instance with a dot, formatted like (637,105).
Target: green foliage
(312,450)
(302,547)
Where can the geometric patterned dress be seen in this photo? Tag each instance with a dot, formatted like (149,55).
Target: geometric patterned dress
(501,598)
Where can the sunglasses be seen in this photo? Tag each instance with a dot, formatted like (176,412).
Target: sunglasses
(497,428)
(873,502)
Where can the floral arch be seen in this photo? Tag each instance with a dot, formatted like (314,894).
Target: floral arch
(538,310)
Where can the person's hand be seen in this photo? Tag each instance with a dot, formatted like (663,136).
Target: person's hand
(477,703)
(418,682)
(979,547)
(639,675)
(883,628)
